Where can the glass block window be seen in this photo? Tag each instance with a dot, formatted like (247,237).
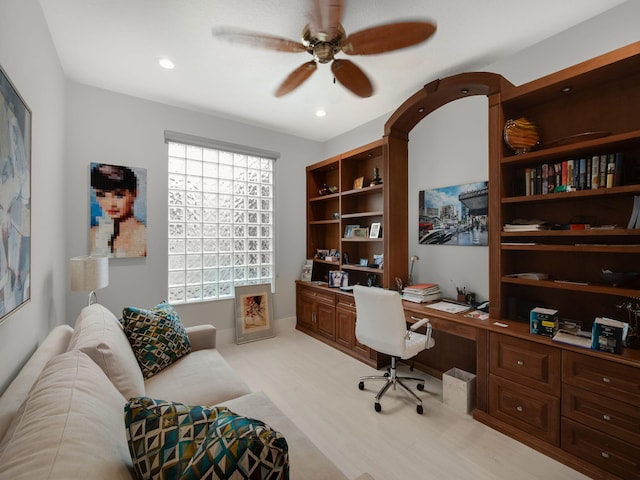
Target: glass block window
(221,222)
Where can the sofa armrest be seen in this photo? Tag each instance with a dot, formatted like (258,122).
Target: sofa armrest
(202,336)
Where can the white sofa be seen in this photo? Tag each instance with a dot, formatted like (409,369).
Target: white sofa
(62,416)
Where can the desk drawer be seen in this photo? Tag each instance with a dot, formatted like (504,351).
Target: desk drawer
(529,363)
(327,298)
(531,411)
(346,301)
(610,454)
(612,379)
(617,418)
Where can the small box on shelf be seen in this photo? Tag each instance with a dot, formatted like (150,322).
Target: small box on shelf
(543,321)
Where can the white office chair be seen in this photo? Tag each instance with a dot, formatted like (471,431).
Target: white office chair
(381,325)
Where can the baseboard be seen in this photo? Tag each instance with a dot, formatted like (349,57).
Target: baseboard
(228,335)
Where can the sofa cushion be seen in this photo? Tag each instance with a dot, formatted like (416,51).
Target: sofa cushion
(201,378)
(238,447)
(306,460)
(98,333)
(163,436)
(157,336)
(70,426)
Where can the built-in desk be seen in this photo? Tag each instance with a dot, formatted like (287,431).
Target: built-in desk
(577,405)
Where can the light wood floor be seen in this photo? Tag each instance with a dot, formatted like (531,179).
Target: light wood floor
(316,386)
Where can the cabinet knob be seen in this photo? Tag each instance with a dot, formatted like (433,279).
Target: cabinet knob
(604,455)
(519,408)
(606,417)
(606,380)
(520,363)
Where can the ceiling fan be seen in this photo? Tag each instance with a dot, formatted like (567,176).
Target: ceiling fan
(324,37)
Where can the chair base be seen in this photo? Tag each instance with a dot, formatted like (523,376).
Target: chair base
(392,379)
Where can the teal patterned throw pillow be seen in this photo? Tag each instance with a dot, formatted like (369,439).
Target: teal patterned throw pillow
(238,448)
(164,436)
(157,337)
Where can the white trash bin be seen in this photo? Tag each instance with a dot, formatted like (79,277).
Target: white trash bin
(459,390)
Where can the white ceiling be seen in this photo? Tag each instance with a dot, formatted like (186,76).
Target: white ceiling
(116,44)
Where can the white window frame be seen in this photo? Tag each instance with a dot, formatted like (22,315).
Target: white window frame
(221,218)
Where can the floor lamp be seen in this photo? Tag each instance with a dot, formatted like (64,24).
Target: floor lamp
(89,274)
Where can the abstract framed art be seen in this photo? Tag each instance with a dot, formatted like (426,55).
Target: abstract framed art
(254,313)
(15,198)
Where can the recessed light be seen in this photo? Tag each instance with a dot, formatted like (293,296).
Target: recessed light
(166,63)
(321,113)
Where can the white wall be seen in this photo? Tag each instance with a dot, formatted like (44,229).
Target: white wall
(29,59)
(108,127)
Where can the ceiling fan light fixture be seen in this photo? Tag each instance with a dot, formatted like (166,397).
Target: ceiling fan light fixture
(166,63)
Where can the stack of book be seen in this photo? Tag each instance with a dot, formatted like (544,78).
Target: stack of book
(526,226)
(423,292)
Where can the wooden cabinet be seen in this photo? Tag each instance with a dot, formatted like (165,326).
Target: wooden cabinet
(343,194)
(585,112)
(316,312)
(524,386)
(578,407)
(330,316)
(600,413)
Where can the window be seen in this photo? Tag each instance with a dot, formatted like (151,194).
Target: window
(221,218)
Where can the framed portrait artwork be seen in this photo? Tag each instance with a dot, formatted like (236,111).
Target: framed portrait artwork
(254,313)
(338,279)
(15,198)
(374,232)
(118,223)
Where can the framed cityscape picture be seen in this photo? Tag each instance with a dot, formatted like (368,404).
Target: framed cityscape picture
(456,215)
(15,198)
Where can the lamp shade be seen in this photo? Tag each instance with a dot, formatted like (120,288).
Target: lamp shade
(89,273)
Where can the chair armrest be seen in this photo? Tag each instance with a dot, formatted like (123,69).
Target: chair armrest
(420,322)
(429,342)
(202,337)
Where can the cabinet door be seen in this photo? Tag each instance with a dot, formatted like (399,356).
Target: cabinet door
(306,313)
(326,320)
(345,327)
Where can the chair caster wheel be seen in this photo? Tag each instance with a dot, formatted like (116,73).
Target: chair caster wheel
(420,386)
(361,385)
(378,407)
(419,409)
(387,374)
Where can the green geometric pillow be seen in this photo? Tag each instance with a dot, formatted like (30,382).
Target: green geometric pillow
(157,337)
(240,448)
(164,436)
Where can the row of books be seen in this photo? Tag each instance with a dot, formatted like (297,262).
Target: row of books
(597,171)
(521,225)
(422,292)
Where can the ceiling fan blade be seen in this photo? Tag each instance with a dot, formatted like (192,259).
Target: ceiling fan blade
(295,78)
(386,38)
(325,18)
(255,39)
(352,77)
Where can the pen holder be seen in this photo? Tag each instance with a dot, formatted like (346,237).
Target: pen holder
(462,298)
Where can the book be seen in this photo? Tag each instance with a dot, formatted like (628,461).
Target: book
(527,181)
(572,339)
(421,298)
(603,171)
(608,335)
(611,169)
(635,213)
(618,174)
(595,172)
(477,315)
